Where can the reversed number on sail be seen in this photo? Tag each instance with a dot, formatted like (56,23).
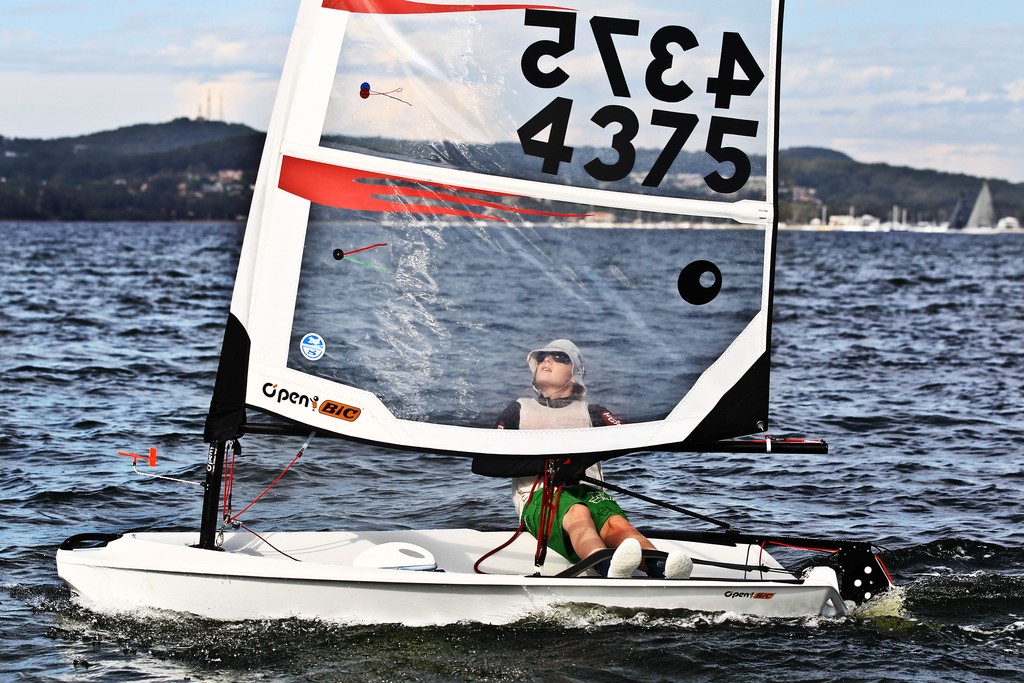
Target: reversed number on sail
(554,117)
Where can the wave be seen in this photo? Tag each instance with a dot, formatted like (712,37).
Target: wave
(718,646)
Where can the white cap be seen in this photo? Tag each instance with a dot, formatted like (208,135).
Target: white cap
(568,348)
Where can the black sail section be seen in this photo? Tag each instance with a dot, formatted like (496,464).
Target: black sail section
(227,408)
(743,410)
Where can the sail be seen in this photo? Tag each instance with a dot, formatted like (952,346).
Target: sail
(446,186)
(958,217)
(983,214)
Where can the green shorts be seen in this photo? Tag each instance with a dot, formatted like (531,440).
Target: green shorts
(601,506)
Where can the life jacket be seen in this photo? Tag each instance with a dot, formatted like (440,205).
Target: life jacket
(535,415)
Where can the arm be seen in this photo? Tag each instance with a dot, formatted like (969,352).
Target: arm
(509,418)
(602,417)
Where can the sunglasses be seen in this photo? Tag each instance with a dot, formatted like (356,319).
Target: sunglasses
(556,356)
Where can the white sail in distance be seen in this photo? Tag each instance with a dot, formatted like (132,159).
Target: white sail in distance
(983,214)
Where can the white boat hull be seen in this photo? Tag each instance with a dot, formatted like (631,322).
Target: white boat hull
(250,580)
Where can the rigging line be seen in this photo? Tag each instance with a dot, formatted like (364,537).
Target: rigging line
(515,535)
(272,546)
(800,547)
(160,476)
(229,481)
(273,483)
(745,568)
(550,494)
(660,503)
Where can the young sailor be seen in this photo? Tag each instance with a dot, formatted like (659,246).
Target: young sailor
(587,519)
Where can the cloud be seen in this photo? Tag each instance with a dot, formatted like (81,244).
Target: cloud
(897,83)
(204,51)
(68,104)
(75,104)
(1015,91)
(136,62)
(241,97)
(933,92)
(977,159)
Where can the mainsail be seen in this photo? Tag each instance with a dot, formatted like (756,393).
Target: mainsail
(447,186)
(983,215)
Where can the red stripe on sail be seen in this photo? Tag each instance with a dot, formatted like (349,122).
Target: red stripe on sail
(349,188)
(411,7)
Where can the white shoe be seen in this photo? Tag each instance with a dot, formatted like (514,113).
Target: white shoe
(678,565)
(625,559)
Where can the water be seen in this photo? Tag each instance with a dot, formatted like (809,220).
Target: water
(903,350)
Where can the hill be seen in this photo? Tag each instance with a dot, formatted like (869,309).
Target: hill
(194,169)
(152,138)
(811,178)
(182,169)
(814,154)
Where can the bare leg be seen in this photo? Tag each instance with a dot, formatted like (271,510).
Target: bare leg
(583,536)
(617,529)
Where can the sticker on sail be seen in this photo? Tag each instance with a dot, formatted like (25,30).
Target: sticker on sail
(340,411)
(312,346)
(700,282)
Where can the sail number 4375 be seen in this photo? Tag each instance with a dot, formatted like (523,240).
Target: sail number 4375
(554,117)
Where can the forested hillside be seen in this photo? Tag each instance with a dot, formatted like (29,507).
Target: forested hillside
(810,178)
(204,170)
(178,170)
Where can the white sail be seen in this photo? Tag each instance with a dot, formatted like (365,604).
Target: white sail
(447,186)
(983,214)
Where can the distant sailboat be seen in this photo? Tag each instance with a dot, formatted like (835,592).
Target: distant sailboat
(983,214)
(957,220)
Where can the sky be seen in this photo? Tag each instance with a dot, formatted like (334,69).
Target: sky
(935,84)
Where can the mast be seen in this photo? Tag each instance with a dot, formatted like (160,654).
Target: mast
(211,496)
(223,422)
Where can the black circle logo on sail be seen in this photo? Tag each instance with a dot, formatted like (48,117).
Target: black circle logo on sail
(700,282)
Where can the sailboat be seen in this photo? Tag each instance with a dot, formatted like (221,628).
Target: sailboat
(444,187)
(983,213)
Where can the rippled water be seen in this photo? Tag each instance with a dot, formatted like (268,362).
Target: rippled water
(905,351)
